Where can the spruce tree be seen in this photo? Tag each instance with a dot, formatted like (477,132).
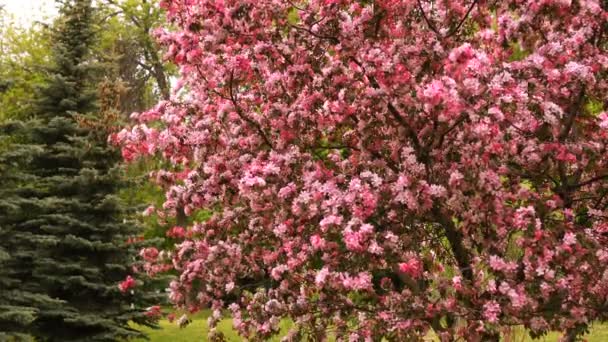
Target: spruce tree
(63,233)
(21,297)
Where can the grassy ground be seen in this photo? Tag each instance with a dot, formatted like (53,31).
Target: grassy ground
(598,333)
(197,332)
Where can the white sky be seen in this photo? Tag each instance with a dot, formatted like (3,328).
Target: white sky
(28,11)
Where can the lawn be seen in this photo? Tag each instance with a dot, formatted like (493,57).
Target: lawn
(197,332)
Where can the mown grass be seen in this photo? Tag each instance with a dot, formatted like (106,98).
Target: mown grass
(197,332)
(597,333)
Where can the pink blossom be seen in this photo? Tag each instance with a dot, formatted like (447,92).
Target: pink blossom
(518,300)
(149,254)
(362,281)
(499,264)
(603,116)
(457,282)
(149,210)
(413,267)
(434,92)
(578,70)
(569,239)
(277,272)
(437,191)
(523,217)
(127,284)
(491,310)
(317,242)
(321,276)
(330,220)
(176,232)
(455,179)
(354,240)
(153,311)
(251,181)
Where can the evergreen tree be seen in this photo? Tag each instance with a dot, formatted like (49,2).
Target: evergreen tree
(63,236)
(21,298)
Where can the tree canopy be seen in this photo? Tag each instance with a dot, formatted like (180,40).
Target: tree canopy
(378,169)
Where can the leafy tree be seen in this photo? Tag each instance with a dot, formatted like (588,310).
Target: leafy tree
(134,59)
(65,244)
(139,53)
(23,52)
(384,168)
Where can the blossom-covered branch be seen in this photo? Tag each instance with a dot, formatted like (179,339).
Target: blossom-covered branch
(383,168)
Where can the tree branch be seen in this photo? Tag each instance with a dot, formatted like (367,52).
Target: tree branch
(145,66)
(394,112)
(334,40)
(427,20)
(460,120)
(452,32)
(243,116)
(589,181)
(455,238)
(455,30)
(563,134)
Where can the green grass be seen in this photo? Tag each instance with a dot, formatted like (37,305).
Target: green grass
(597,333)
(197,332)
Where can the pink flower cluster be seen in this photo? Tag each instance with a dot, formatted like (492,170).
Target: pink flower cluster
(154,312)
(127,284)
(412,267)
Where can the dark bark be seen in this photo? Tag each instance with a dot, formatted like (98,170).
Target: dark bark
(461,254)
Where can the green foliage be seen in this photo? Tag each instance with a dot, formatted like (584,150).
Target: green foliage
(118,48)
(22,53)
(134,58)
(141,193)
(126,38)
(63,229)
(293,17)
(518,53)
(594,107)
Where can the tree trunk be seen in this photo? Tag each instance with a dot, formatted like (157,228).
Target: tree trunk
(158,70)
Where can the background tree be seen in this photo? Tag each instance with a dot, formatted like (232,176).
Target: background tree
(391,166)
(134,59)
(137,46)
(67,237)
(23,53)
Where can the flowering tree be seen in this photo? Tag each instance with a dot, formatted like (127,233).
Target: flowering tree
(380,168)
